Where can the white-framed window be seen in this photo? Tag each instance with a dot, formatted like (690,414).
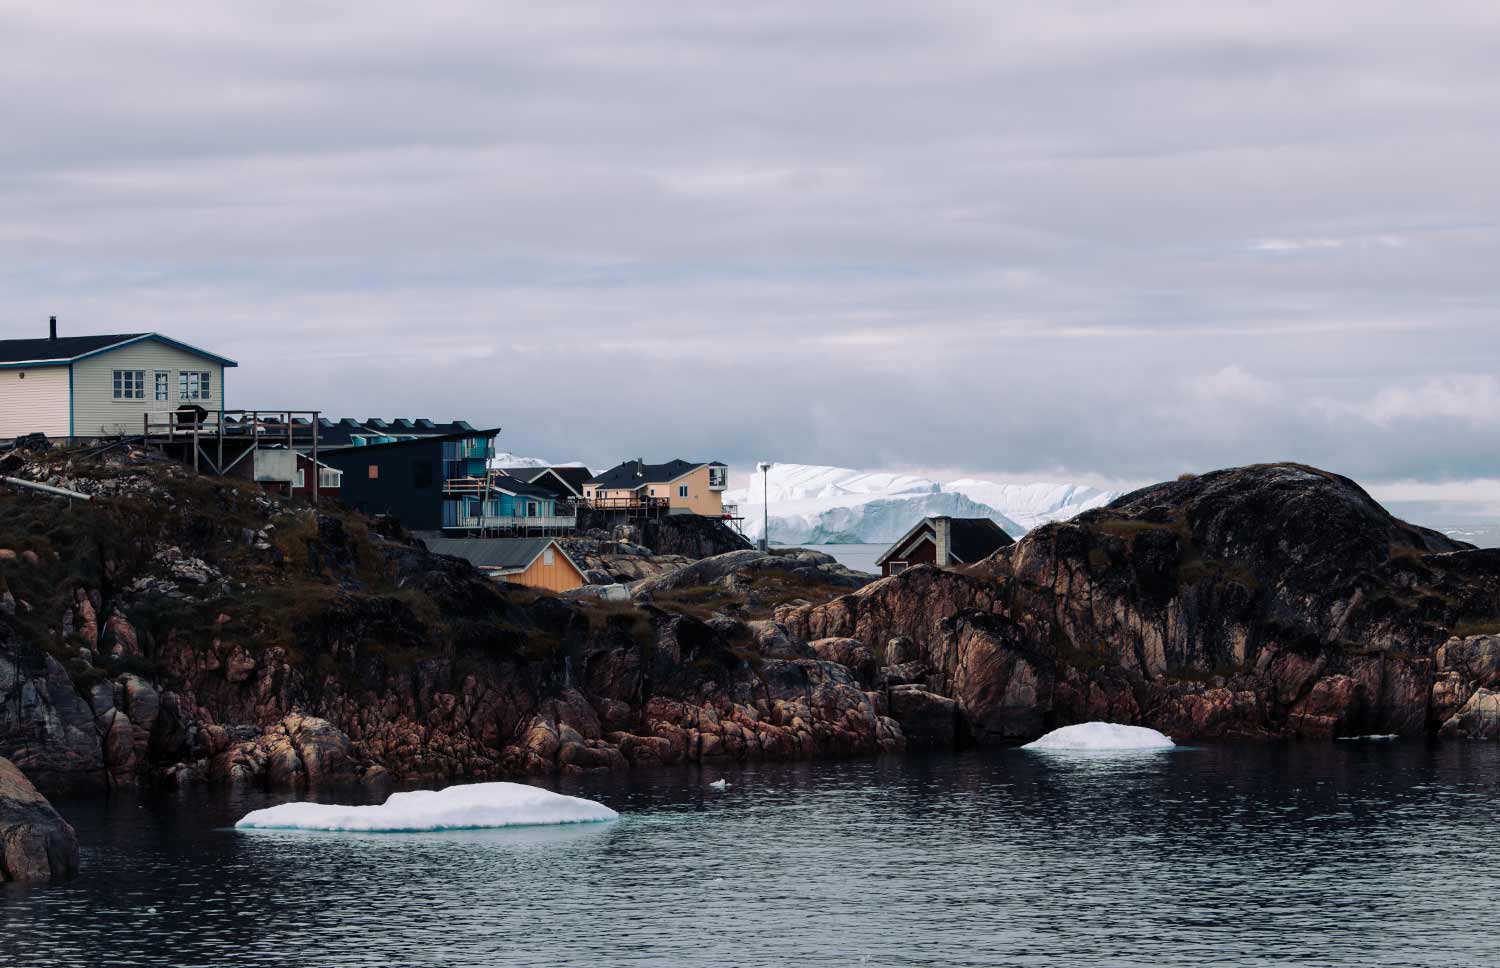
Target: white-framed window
(548,558)
(130,384)
(897,567)
(330,478)
(533,510)
(301,478)
(718,477)
(163,385)
(194,385)
(682,490)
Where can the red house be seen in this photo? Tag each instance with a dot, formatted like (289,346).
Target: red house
(944,542)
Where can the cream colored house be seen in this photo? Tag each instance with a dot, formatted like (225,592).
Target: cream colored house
(678,486)
(91,386)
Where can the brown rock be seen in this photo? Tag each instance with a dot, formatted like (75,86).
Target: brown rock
(36,844)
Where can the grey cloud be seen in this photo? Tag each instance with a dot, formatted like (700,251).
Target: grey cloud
(1125,240)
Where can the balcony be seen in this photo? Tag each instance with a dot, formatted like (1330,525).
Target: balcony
(518,523)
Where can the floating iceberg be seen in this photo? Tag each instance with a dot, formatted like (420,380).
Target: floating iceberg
(814,504)
(1102,736)
(720,784)
(466,807)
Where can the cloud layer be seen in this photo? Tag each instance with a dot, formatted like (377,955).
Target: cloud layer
(1127,239)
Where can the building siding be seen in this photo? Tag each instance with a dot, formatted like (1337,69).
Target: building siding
(394,489)
(34,401)
(700,499)
(925,553)
(560,576)
(96,411)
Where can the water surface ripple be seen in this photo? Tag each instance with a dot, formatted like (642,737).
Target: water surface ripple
(1316,854)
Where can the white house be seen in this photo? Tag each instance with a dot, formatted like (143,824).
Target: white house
(87,386)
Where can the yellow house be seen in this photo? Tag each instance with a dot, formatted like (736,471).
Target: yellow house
(533,562)
(678,486)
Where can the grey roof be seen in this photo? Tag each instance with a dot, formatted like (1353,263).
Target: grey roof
(522,488)
(504,553)
(969,539)
(633,473)
(67,348)
(559,482)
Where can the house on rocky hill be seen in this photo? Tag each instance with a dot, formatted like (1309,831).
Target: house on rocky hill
(944,542)
(676,487)
(533,562)
(95,386)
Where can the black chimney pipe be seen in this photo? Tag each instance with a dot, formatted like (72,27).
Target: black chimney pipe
(53,328)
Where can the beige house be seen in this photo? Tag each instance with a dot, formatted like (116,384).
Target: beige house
(678,486)
(92,386)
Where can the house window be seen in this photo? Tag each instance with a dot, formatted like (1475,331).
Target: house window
(301,479)
(130,384)
(374,472)
(897,567)
(330,478)
(682,490)
(718,476)
(532,509)
(194,385)
(163,385)
(548,558)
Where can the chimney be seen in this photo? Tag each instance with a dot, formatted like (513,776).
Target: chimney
(640,467)
(52,328)
(942,541)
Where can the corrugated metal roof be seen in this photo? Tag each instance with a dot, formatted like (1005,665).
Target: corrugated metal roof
(492,552)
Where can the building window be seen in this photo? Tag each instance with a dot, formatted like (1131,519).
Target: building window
(548,558)
(532,509)
(718,477)
(897,567)
(164,385)
(130,384)
(374,472)
(194,385)
(682,490)
(330,478)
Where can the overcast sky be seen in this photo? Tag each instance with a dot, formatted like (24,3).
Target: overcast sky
(1062,239)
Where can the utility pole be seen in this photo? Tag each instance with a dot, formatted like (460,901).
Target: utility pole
(765,504)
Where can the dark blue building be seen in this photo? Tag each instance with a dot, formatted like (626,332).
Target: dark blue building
(428,483)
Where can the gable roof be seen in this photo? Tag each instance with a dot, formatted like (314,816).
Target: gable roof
(520,488)
(632,474)
(969,539)
(67,349)
(562,482)
(504,554)
(345,450)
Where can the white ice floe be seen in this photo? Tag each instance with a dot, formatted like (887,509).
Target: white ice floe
(466,807)
(720,784)
(1371,738)
(1102,736)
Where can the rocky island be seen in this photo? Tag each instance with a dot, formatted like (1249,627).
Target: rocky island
(181,630)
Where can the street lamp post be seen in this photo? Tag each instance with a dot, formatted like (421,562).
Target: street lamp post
(765,504)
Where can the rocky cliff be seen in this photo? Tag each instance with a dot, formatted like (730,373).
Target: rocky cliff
(1266,601)
(177,629)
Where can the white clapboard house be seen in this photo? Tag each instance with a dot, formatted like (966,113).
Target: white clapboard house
(91,386)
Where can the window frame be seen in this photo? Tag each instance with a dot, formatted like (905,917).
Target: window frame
(161,386)
(682,490)
(194,386)
(128,384)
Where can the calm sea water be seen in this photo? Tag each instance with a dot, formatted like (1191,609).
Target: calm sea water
(1352,853)
(860,557)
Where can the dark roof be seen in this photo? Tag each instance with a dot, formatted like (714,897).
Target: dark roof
(969,539)
(346,449)
(341,433)
(523,488)
(559,481)
(975,539)
(494,552)
(65,349)
(633,473)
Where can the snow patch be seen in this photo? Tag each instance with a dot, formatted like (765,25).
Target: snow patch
(1102,736)
(467,807)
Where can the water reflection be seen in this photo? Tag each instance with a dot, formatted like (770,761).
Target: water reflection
(1333,854)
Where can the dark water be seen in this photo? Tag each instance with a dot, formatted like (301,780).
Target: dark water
(1354,853)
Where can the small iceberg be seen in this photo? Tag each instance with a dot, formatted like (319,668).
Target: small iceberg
(469,807)
(1370,738)
(720,784)
(1102,736)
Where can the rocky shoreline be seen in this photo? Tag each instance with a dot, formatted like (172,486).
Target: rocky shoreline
(182,631)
